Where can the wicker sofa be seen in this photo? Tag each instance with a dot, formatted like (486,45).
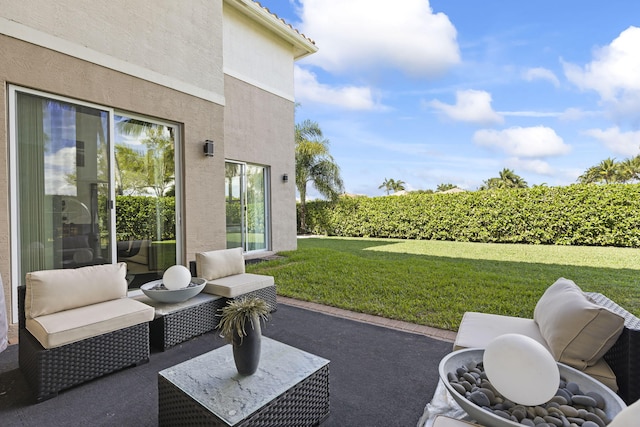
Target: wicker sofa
(587,331)
(224,271)
(78,324)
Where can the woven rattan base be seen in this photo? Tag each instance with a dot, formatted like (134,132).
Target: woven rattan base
(49,371)
(180,401)
(623,357)
(268,294)
(179,326)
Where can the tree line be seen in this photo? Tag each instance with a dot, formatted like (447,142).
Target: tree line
(316,166)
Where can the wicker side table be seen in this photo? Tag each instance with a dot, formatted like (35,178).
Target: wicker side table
(176,323)
(290,388)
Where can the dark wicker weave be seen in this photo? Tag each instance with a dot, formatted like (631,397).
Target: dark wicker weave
(624,356)
(305,404)
(174,328)
(49,371)
(268,294)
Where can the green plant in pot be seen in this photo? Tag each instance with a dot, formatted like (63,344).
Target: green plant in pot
(240,326)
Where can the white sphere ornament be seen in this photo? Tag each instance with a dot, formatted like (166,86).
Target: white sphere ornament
(521,369)
(176,277)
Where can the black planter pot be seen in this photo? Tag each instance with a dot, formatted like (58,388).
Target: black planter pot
(246,350)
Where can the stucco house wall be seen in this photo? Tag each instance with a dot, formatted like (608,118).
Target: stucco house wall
(161,59)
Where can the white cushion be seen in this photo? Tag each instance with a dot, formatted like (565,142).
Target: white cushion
(51,291)
(478,329)
(577,331)
(238,284)
(65,327)
(221,263)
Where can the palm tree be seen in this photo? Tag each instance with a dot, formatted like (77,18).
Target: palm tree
(398,186)
(607,171)
(444,187)
(507,179)
(387,184)
(629,169)
(315,164)
(392,185)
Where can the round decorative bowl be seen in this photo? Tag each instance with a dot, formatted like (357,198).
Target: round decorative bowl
(169,296)
(459,358)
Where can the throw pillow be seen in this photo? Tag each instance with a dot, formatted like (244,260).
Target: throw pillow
(577,331)
(221,263)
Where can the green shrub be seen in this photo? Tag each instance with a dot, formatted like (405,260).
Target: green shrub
(142,218)
(593,215)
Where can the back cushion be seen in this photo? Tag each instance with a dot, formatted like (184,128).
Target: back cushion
(577,331)
(51,291)
(222,263)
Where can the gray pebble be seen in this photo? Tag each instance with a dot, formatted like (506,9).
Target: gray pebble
(589,424)
(569,411)
(553,420)
(596,419)
(479,398)
(597,397)
(581,399)
(573,388)
(459,388)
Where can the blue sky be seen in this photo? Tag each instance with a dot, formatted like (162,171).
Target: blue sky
(446,91)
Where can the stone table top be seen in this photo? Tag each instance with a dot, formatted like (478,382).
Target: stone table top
(213,381)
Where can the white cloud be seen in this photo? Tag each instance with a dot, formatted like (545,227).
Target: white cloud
(57,166)
(624,143)
(473,106)
(530,142)
(361,34)
(531,165)
(613,74)
(540,74)
(347,97)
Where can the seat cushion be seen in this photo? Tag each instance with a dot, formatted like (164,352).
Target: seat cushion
(238,284)
(51,291)
(577,331)
(65,327)
(478,329)
(602,372)
(221,263)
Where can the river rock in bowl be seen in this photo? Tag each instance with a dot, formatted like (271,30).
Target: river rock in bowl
(506,418)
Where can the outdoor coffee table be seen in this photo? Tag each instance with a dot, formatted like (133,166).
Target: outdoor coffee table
(178,322)
(290,388)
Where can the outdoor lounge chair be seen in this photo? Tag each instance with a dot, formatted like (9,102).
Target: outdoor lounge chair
(224,271)
(577,330)
(78,324)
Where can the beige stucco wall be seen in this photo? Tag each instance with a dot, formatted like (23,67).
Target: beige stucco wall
(181,42)
(257,56)
(31,66)
(259,128)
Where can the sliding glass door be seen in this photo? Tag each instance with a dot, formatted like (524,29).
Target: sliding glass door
(247,206)
(91,187)
(62,178)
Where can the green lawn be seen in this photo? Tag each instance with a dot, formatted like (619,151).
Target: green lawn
(434,282)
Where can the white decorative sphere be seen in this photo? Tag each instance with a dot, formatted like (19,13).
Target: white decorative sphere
(176,277)
(521,369)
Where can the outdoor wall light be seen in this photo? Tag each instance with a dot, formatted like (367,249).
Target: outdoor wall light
(285,178)
(208,148)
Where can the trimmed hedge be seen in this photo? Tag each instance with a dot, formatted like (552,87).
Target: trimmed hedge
(581,214)
(138,218)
